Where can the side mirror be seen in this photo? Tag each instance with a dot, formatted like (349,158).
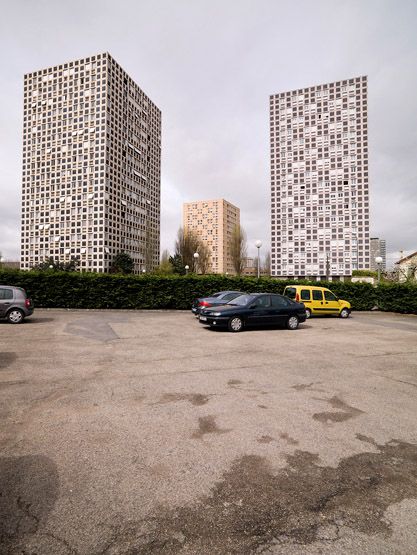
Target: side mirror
(252,306)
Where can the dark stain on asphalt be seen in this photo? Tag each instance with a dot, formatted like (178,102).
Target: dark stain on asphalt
(262,406)
(28,492)
(196,399)
(207,425)
(254,506)
(6,359)
(265,439)
(231,383)
(290,440)
(346,412)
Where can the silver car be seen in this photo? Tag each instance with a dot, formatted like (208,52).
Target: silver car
(14,304)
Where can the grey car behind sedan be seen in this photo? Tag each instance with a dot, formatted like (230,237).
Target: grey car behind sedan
(215,299)
(15,305)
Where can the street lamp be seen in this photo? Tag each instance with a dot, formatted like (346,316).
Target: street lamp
(258,245)
(186,269)
(143,271)
(378,260)
(196,257)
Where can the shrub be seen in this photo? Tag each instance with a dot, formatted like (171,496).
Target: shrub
(91,290)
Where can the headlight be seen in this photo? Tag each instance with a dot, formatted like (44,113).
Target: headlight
(217,314)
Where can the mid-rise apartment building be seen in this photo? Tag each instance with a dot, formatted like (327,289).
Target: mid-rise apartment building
(319,180)
(91,166)
(214,221)
(378,247)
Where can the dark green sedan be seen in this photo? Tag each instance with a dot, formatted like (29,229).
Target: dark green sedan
(257,309)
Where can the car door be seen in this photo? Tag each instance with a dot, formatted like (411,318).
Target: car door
(260,312)
(6,300)
(331,303)
(317,303)
(280,307)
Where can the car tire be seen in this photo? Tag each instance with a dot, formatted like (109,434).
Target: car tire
(15,316)
(308,313)
(235,324)
(292,323)
(344,313)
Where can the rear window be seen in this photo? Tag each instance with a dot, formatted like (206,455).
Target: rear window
(305,294)
(317,295)
(290,292)
(231,296)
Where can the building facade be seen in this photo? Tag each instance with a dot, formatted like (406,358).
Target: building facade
(91,167)
(214,221)
(407,267)
(319,180)
(378,247)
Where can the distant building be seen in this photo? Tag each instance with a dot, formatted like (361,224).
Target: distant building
(377,248)
(407,267)
(319,180)
(91,166)
(214,221)
(249,268)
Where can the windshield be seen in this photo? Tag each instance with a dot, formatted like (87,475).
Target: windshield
(242,300)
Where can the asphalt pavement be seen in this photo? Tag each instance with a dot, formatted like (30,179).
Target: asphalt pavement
(144,432)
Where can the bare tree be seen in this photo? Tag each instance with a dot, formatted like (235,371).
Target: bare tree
(238,248)
(189,242)
(266,268)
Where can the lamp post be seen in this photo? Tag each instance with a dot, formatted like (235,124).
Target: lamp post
(186,269)
(378,260)
(258,245)
(196,257)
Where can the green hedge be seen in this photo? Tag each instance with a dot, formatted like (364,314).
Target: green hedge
(85,290)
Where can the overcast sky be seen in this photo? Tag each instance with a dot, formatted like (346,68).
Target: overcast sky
(210,66)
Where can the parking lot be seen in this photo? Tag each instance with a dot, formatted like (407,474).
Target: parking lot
(144,432)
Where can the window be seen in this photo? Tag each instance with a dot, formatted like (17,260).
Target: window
(329,296)
(6,294)
(262,302)
(290,292)
(279,302)
(305,295)
(317,295)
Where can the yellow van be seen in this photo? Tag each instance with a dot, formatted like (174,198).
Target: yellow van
(318,300)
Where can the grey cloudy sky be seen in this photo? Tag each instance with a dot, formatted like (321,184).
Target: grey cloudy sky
(210,66)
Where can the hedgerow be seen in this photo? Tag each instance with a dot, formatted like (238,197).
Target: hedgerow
(91,290)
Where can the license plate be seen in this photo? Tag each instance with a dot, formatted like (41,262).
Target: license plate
(203,319)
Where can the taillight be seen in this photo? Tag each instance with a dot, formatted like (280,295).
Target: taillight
(27,303)
(204,303)
(297,297)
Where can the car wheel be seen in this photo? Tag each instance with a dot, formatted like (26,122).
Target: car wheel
(308,313)
(292,323)
(235,324)
(344,313)
(15,316)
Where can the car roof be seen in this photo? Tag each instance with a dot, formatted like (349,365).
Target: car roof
(12,287)
(264,293)
(306,286)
